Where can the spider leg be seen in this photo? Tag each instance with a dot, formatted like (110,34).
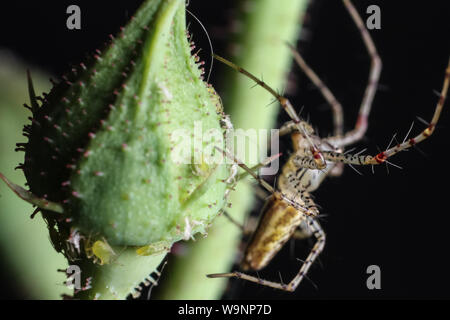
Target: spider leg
(287,128)
(338,115)
(234,221)
(383,156)
(301,126)
(304,231)
(361,125)
(315,229)
(340,140)
(268,187)
(260,165)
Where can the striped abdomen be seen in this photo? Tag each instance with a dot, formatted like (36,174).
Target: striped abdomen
(277,224)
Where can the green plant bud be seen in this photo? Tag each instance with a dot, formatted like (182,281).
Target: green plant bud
(103,160)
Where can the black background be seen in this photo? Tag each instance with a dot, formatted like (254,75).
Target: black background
(398,221)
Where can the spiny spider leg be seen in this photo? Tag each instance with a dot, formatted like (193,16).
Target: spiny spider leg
(338,140)
(260,165)
(264,163)
(307,210)
(248,227)
(336,107)
(375,69)
(338,115)
(383,156)
(361,125)
(315,229)
(287,106)
(287,128)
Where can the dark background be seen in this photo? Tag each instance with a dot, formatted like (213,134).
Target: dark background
(399,221)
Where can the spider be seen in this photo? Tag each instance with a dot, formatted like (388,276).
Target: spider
(290,212)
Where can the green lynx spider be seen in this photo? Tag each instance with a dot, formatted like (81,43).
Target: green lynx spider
(290,207)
